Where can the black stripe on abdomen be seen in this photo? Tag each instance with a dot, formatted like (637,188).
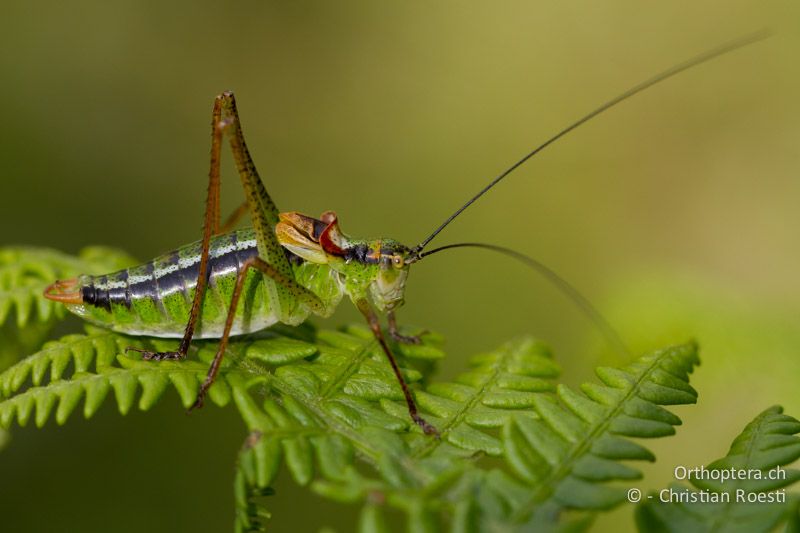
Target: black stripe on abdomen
(95,296)
(177,280)
(98,294)
(147,287)
(120,295)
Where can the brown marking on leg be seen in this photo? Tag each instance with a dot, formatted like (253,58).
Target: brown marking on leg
(298,291)
(375,326)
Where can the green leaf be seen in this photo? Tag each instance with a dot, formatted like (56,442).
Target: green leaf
(280,350)
(741,492)
(99,366)
(26,271)
(569,453)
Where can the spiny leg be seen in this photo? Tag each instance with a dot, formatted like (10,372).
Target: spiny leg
(375,326)
(296,290)
(263,212)
(394,331)
(210,227)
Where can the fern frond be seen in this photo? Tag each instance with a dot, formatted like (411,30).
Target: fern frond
(499,385)
(515,449)
(251,516)
(570,453)
(96,364)
(753,500)
(26,271)
(445,481)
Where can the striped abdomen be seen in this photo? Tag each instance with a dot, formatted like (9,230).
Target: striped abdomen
(156,298)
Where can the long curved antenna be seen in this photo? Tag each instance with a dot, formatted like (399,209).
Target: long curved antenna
(610,334)
(676,69)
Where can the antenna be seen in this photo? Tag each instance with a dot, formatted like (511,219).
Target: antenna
(603,325)
(672,71)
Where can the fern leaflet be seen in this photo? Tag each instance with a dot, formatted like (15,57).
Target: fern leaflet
(754,500)
(26,271)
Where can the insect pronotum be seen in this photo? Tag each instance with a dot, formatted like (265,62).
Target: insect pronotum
(287,265)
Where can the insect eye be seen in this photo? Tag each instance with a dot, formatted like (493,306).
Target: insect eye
(397,261)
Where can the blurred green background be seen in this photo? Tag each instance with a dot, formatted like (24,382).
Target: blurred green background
(676,214)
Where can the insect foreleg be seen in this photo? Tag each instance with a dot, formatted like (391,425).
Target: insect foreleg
(375,326)
(394,331)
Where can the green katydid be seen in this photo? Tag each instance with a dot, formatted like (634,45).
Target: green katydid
(286,267)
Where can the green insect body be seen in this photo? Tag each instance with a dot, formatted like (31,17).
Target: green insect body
(155,298)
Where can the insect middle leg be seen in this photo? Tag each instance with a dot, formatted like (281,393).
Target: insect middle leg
(296,290)
(394,331)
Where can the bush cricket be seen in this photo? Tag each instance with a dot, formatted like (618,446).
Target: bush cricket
(288,265)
